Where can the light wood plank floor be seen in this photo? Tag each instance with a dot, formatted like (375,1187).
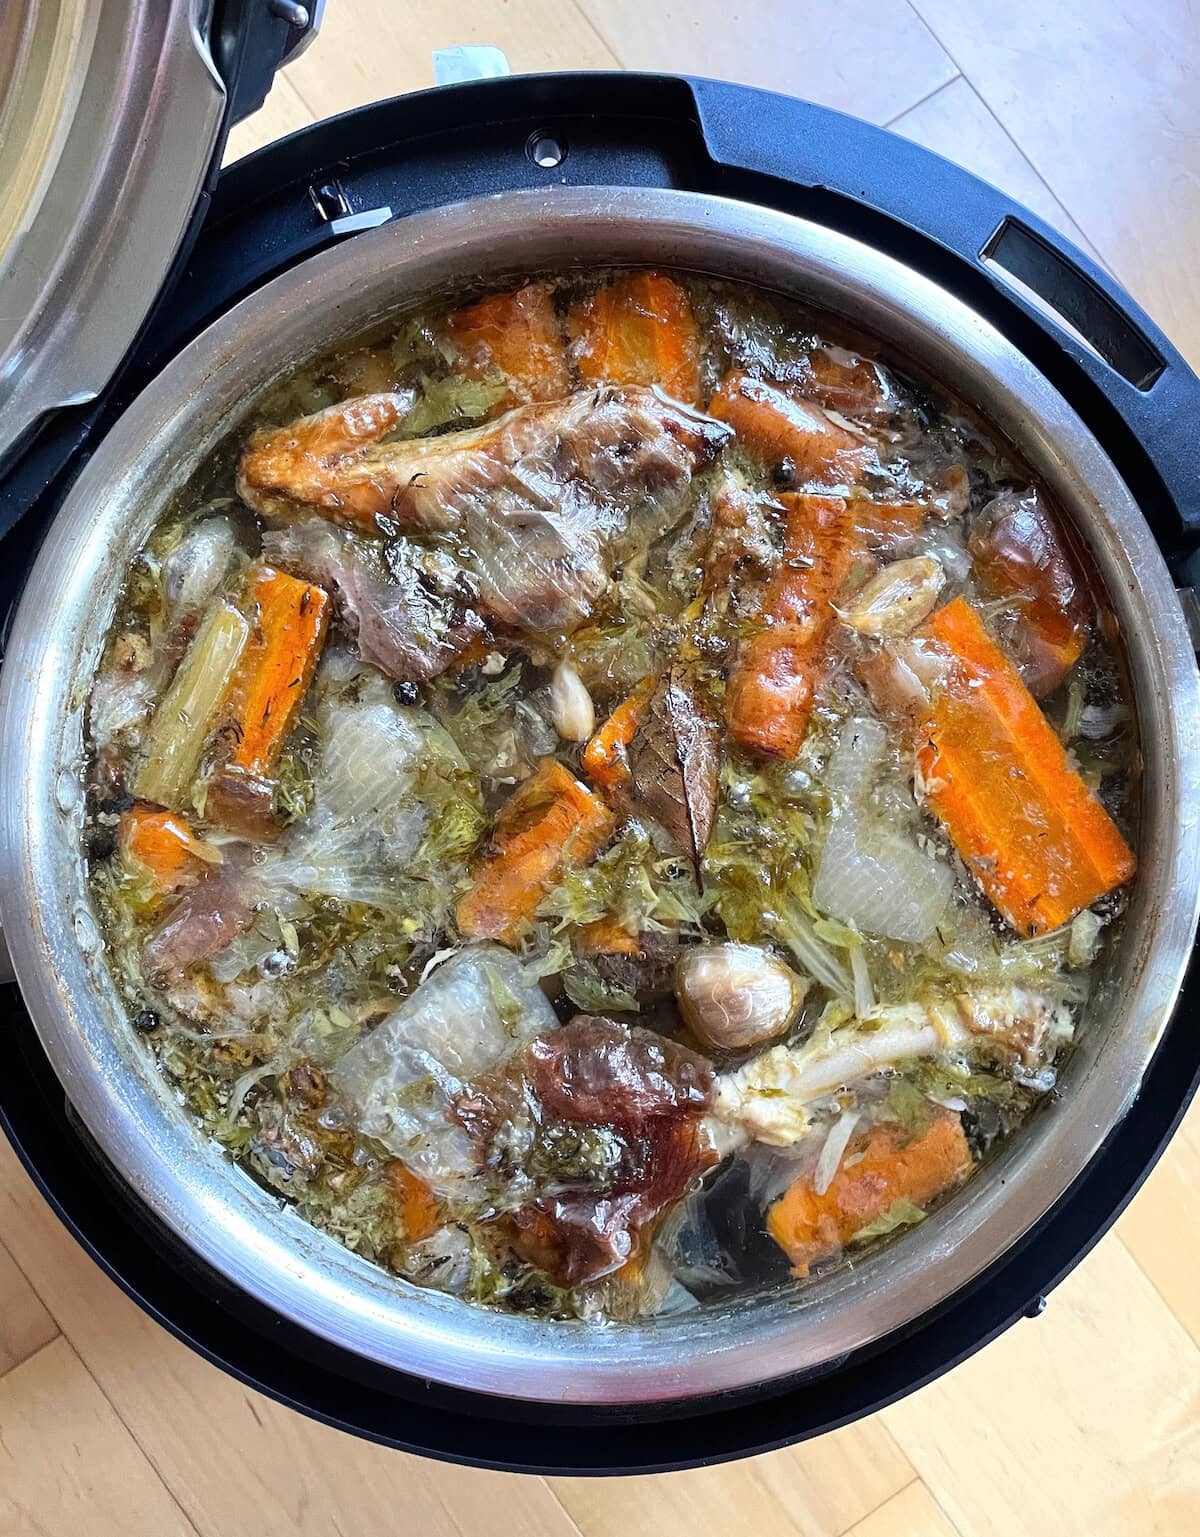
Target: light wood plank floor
(1085,1423)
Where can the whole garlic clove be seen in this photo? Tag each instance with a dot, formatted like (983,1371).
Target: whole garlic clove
(734,996)
(896,599)
(571,705)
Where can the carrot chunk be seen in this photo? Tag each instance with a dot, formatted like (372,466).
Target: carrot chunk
(608,936)
(1034,836)
(770,695)
(776,428)
(606,757)
(161,849)
(519,334)
(417,1208)
(290,618)
(882,1168)
(639,330)
(547,822)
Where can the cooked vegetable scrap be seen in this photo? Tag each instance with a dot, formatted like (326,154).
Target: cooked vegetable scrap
(994,772)
(606,757)
(771,692)
(519,335)
(736,996)
(186,712)
(549,822)
(1018,553)
(884,1169)
(418,1209)
(557,839)
(265,698)
(160,849)
(815,451)
(639,329)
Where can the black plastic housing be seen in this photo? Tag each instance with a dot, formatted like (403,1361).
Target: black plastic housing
(1108,358)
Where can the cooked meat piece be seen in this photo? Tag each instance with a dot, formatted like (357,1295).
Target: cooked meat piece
(409,610)
(595,1071)
(545,498)
(207,917)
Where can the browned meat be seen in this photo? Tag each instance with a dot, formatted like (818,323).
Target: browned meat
(581,1235)
(595,1071)
(545,497)
(408,610)
(615,1138)
(209,916)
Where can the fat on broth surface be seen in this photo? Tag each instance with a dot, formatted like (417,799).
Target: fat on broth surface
(607,796)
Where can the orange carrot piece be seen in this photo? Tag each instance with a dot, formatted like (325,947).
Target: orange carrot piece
(606,757)
(519,334)
(290,619)
(549,821)
(608,936)
(1034,836)
(639,330)
(1017,551)
(418,1209)
(885,523)
(161,848)
(774,427)
(890,1166)
(770,694)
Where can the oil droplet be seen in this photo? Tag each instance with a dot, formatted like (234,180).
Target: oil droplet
(87,931)
(66,791)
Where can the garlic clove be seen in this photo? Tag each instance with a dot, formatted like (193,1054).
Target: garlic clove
(896,598)
(571,705)
(734,996)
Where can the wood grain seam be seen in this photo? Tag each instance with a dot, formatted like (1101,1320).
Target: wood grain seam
(928,96)
(870,1515)
(1094,250)
(129,1430)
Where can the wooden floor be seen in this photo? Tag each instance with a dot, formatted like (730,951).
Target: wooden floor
(1085,1421)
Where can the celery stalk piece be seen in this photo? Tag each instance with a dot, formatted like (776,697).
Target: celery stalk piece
(186,711)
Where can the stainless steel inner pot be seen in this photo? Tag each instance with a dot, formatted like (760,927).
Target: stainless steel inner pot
(239,1228)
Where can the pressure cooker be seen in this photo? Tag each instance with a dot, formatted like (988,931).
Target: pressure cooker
(149,298)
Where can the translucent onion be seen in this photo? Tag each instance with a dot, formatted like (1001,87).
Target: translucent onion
(833,1150)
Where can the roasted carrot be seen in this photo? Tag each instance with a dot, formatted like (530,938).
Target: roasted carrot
(606,757)
(520,335)
(547,822)
(639,330)
(161,849)
(879,1169)
(417,1208)
(769,698)
(1017,551)
(995,774)
(290,618)
(774,427)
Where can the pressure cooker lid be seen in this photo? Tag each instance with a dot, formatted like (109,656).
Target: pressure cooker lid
(111,112)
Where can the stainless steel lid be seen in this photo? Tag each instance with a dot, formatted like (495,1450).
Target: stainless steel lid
(110,114)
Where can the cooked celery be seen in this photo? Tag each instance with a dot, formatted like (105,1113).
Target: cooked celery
(184,718)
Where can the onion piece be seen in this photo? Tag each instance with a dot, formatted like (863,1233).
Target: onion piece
(864,990)
(830,1159)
